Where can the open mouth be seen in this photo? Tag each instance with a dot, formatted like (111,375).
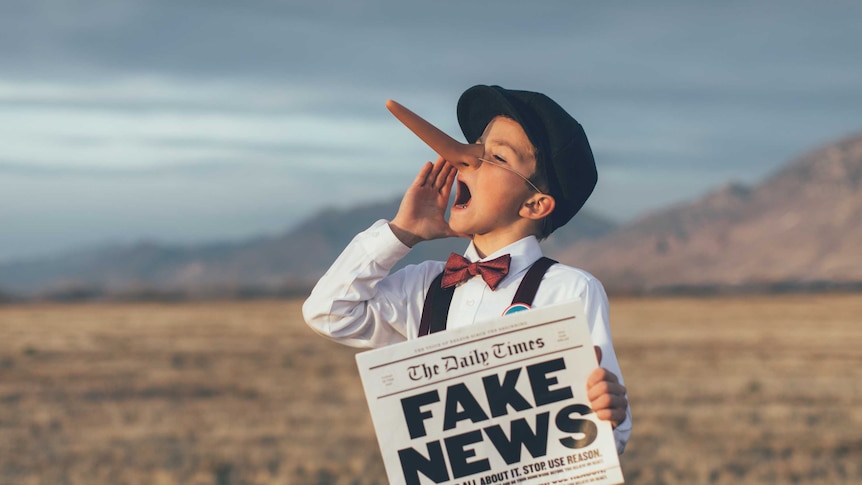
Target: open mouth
(462,195)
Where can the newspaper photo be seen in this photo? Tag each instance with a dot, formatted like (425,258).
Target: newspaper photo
(501,402)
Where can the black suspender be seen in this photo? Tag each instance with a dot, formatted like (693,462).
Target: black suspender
(530,284)
(437,302)
(435,313)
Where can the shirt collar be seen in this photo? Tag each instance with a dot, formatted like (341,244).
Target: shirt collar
(524,253)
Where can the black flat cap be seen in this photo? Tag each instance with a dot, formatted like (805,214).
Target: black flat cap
(563,151)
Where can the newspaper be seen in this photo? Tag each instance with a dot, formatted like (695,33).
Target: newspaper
(502,402)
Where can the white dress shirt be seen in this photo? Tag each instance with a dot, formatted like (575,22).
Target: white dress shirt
(357,302)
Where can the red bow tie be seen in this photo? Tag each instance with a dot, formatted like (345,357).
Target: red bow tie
(459,269)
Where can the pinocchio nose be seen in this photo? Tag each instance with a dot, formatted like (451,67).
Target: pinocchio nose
(461,155)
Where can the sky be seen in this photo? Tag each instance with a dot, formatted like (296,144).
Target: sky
(198,121)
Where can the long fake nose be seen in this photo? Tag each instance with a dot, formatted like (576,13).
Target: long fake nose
(461,155)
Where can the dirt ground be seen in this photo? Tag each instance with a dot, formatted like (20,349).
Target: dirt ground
(727,390)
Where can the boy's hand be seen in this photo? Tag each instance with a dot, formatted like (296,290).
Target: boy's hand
(421,216)
(607,396)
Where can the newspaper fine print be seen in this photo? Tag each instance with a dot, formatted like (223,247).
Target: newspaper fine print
(502,402)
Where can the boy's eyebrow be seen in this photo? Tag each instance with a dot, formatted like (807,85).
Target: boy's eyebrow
(507,145)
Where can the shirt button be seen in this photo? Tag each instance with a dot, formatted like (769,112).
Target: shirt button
(471,302)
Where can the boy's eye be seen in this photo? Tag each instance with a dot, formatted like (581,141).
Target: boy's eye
(499,158)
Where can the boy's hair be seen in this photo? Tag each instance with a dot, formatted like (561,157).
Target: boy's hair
(564,160)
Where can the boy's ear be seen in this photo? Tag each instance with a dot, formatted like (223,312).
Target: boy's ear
(537,207)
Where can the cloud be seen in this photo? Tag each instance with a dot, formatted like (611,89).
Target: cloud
(237,117)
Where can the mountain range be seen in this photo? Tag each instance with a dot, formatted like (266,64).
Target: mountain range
(285,264)
(798,229)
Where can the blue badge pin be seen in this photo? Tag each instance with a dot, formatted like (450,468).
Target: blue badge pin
(516,307)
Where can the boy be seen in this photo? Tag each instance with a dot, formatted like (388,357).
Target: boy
(536,172)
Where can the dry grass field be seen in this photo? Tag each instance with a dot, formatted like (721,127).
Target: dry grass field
(724,391)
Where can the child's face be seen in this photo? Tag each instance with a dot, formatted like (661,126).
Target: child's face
(488,198)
